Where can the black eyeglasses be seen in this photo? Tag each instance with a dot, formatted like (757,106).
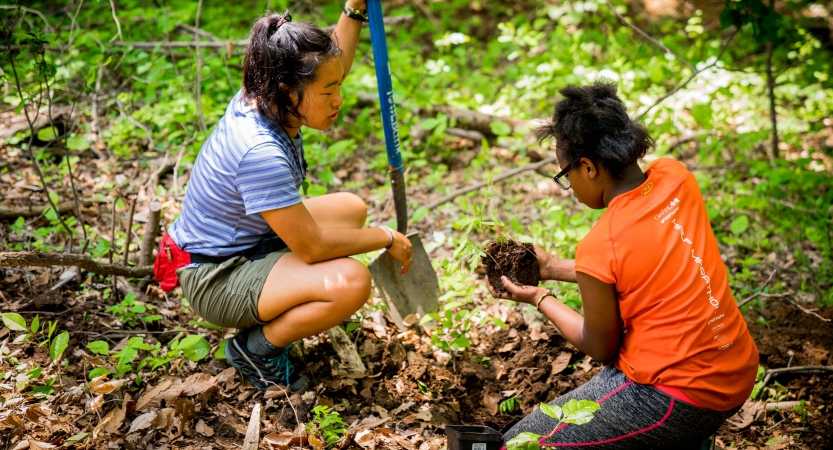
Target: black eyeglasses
(563,177)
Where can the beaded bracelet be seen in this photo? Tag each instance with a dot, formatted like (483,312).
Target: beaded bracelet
(355,14)
(546,294)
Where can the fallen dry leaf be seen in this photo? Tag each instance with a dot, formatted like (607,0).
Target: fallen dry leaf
(103,387)
(204,429)
(164,419)
(197,384)
(585,364)
(114,420)
(150,397)
(37,445)
(94,405)
(561,362)
(492,403)
(142,422)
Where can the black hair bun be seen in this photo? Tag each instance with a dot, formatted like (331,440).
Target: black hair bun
(591,122)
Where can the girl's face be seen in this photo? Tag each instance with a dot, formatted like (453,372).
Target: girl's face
(322,99)
(585,180)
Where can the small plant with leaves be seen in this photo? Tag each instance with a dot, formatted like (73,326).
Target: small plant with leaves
(129,311)
(451,325)
(469,252)
(327,424)
(193,347)
(509,405)
(576,412)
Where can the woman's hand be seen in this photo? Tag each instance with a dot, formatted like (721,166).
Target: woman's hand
(402,250)
(521,294)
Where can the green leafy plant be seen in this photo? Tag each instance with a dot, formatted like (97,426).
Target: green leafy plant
(193,347)
(326,423)
(129,311)
(508,406)
(16,322)
(577,412)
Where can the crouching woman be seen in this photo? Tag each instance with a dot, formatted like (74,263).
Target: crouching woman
(261,258)
(654,290)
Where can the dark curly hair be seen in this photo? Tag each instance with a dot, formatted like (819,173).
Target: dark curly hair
(591,122)
(282,52)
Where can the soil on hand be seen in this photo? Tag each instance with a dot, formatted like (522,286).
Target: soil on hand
(512,259)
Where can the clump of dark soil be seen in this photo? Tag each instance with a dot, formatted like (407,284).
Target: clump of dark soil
(512,259)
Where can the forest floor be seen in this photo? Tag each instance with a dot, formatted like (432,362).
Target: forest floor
(410,392)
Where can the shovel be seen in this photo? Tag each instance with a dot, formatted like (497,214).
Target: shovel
(418,291)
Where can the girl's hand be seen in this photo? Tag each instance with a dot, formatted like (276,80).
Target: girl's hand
(402,250)
(521,294)
(544,261)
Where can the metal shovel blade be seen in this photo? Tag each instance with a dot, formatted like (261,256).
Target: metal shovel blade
(416,292)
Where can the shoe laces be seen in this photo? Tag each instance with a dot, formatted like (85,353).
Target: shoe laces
(282,364)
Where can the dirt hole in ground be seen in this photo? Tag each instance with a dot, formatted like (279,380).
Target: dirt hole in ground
(512,259)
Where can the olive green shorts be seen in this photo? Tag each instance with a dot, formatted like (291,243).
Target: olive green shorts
(226,294)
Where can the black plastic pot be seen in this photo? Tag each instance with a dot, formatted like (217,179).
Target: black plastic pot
(472,437)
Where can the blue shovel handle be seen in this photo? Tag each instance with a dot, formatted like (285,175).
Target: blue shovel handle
(395,166)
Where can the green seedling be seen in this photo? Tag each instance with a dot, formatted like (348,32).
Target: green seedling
(129,311)
(508,406)
(193,347)
(577,412)
(327,424)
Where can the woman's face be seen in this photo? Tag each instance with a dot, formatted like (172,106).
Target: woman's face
(584,180)
(322,98)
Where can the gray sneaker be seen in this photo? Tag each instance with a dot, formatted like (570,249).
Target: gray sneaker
(263,372)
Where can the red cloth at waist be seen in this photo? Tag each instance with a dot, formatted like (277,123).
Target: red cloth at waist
(677,393)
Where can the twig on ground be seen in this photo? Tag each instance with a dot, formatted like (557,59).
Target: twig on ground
(118,24)
(128,231)
(807,311)
(761,291)
(693,76)
(495,179)
(762,294)
(649,38)
(112,232)
(13,212)
(37,259)
(797,369)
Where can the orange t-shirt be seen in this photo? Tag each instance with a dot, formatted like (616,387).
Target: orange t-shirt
(681,325)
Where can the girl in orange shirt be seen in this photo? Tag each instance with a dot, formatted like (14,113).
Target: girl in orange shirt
(655,292)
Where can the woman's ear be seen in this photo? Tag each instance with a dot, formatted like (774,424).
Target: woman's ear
(589,168)
(293,96)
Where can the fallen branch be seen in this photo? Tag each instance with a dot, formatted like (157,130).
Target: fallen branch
(482,184)
(761,291)
(798,369)
(13,212)
(807,311)
(149,239)
(37,259)
(346,350)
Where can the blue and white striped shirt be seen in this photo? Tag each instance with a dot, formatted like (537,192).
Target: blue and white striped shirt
(248,165)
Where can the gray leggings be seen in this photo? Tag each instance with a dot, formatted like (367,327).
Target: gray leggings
(633,416)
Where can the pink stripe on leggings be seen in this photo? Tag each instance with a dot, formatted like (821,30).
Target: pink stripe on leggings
(602,400)
(608,441)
